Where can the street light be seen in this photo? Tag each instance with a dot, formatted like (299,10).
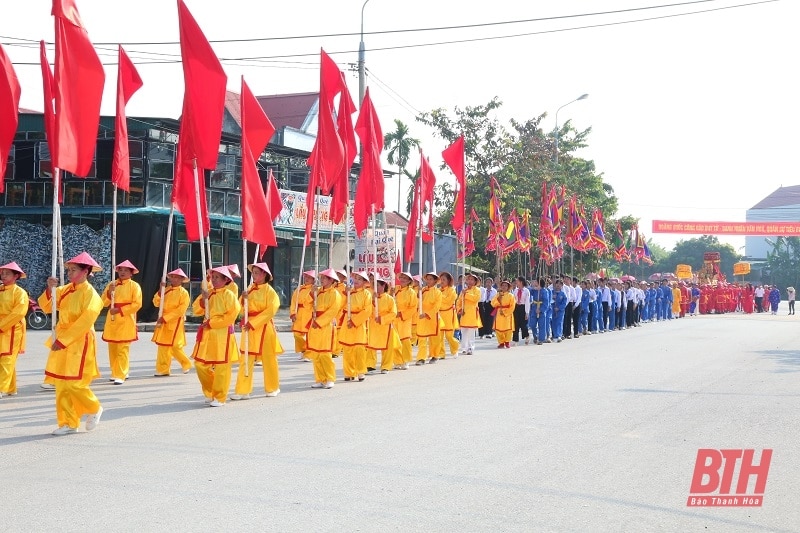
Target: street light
(581,97)
(361,76)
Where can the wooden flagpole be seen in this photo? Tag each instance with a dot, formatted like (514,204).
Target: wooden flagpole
(56,227)
(113,248)
(246,319)
(204,284)
(166,261)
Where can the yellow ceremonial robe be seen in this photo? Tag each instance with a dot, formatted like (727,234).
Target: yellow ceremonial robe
(13,308)
(431,303)
(303,301)
(380,334)
(467,307)
(407,307)
(447,310)
(217,344)
(504,305)
(329,303)
(128,299)
(262,304)
(173,331)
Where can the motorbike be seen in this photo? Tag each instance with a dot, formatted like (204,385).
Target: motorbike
(37,319)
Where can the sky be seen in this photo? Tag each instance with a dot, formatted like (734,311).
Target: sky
(692,104)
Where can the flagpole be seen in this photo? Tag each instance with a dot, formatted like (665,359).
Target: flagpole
(166,262)
(56,227)
(317,193)
(60,248)
(375,263)
(246,319)
(203,264)
(347,257)
(421,250)
(113,247)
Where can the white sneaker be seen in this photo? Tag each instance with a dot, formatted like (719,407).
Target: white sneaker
(119,381)
(240,396)
(273,393)
(64,430)
(404,366)
(384,371)
(47,386)
(93,420)
(258,363)
(206,401)
(328,385)
(317,385)
(301,357)
(216,403)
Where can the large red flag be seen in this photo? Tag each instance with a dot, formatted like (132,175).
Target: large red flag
(48,86)
(257,130)
(128,82)
(341,185)
(427,181)
(414,222)
(201,121)
(79,79)
(370,189)
(327,156)
(9,111)
(453,155)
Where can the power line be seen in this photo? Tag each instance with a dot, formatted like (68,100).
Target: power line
(458,41)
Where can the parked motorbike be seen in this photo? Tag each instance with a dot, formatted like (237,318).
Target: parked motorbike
(37,319)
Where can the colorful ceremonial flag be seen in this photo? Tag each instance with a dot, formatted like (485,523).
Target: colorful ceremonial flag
(257,130)
(525,242)
(597,234)
(453,155)
(128,82)
(511,239)
(370,189)
(79,79)
(620,252)
(201,122)
(9,111)
(496,226)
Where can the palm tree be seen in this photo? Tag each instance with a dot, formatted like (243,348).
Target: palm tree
(399,145)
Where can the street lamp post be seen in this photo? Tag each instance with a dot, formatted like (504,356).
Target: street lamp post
(581,97)
(584,96)
(361,74)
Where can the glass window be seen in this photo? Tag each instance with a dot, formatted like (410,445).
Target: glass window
(232,204)
(34,194)
(135,149)
(94,193)
(137,168)
(161,151)
(184,252)
(46,169)
(15,194)
(223,180)
(217,253)
(155,193)
(161,170)
(136,195)
(9,175)
(73,193)
(216,202)
(44,151)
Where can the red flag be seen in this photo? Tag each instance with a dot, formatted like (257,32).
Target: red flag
(9,111)
(427,185)
(274,202)
(79,79)
(128,82)
(49,83)
(201,121)
(327,157)
(370,188)
(453,155)
(414,222)
(257,130)
(398,265)
(341,185)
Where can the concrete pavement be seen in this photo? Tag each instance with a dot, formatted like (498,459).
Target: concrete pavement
(593,434)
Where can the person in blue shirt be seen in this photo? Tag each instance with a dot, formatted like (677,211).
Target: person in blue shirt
(537,318)
(559,307)
(666,300)
(583,318)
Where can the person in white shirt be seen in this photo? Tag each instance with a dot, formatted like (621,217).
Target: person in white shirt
(488,292)
(570,294)
(577,294)
(759,294)
(605,301)
(521,310)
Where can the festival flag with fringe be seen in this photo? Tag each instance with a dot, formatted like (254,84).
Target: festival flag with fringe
(597,234)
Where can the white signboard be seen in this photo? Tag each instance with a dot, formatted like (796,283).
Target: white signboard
(387,244)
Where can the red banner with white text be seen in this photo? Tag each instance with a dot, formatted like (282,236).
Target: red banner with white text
(777,229)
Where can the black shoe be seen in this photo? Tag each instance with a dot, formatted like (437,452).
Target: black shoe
(433,360)
(370,369)
(420,362)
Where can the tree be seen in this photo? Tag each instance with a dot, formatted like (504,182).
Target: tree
(521,158)
(399,144)
(690,252)
(783,262)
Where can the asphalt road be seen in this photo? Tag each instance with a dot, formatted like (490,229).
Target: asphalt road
(593,434)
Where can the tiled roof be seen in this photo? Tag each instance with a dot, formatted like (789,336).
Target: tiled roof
(781,197)
(233,105)
(395,219)
(288,109)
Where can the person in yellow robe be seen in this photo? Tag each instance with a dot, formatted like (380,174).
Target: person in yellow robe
(72,361)
(14,302)
(676,300)
(301,308)
(468,313)
(344,289)
(381,334)
(407,308)
(416,285)
(428,327)
(120,327)
(504,304)
(262,338)
(215,350)
(170,332)
(321,335)
(353,334)
(447,314)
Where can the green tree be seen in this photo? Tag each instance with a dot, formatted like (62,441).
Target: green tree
(783,262)
(398,145)
(690,252)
